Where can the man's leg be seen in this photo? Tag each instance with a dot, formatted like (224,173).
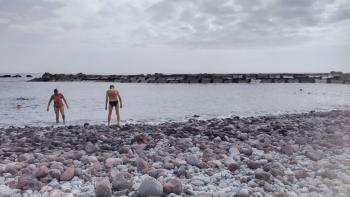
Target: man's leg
(110,109)
(118,115)
(57,111)
(62,114)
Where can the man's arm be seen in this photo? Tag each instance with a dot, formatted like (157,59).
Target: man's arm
(106,100)
(64,99)
(120,100)
(48,105)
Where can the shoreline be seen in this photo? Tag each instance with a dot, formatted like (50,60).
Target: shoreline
(153,122)
(296,154)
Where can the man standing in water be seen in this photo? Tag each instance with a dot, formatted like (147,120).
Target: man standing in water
(58,105)
(113,98)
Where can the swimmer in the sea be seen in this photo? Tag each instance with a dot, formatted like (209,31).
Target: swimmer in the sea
(19,106)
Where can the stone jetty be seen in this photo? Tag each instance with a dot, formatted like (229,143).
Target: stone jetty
(14,76)
(291,155)
(332,77)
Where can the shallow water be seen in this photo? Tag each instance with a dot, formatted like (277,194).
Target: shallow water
(161,102)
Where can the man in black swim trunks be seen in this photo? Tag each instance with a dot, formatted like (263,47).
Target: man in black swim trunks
(113,98)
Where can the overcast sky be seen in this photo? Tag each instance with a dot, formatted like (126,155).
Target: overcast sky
(174,36)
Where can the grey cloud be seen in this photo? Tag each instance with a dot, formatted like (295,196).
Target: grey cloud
(342,13)
(19,11)
(181,23)
(133,36)
(232,23)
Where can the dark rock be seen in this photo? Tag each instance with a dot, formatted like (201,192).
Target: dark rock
(287,149)
(253,164)
(12,169)
(301,141)
(90,147)
(172,186)
(260,174)
(123,150)
(283,132)
(141,164)
(140,139)
(29,182)
(41,172)
(181,172)
(74,155)
(103,189)
(241,194)
(55,173)
(246,150)
(194,161)
(277,171)
(233,167)
(301,174)
(121,181)
(25,157)
(243,136)
(156,173)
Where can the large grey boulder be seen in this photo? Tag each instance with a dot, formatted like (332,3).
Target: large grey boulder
(121,181)
(150,187)
(103,188)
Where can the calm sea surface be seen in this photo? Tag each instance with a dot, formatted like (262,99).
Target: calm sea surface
(162,102)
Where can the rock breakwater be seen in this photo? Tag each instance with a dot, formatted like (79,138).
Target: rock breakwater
(333,77)
(287,155)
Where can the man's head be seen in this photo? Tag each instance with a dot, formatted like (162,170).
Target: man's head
(55,91)
(111,87)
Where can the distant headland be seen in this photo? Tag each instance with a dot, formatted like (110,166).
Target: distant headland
(332,77)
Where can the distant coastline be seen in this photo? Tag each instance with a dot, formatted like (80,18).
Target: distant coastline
(332,77)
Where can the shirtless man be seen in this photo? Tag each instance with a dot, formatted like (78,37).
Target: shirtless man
(58,105)
(113,98)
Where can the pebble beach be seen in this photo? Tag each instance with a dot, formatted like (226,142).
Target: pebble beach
(301,155)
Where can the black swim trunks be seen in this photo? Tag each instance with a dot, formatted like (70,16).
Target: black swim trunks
(113,103)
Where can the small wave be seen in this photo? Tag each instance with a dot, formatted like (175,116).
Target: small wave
(23,98)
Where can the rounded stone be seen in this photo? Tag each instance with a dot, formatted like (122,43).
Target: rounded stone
(172,186)
(233,166)
(121,181)
(68,174)
(141,165)
(103,189)
(41,172)
(150,187)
